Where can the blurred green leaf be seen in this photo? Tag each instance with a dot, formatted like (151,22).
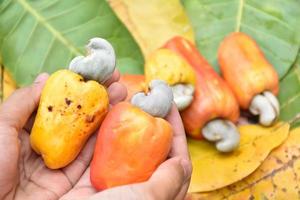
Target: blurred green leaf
(1,81)
(289,95)
(273,24)
(44,35)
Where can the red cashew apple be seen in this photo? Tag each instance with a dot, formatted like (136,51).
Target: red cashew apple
(134,139)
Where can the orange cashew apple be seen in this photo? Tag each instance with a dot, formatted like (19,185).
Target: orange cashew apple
(73,103)
(251,77)
(134,139)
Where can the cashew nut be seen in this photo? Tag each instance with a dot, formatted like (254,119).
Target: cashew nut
(183,95)
(157,102)
(224,133)
(273,100)
(100,62)
(266,106)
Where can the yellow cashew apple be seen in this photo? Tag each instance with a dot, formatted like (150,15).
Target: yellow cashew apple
(73,103)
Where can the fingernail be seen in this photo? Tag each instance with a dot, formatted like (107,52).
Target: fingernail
(187,168)
(41,77)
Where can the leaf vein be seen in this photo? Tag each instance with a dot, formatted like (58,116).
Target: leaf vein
(217,3)
(267,34)
(5,6)
(26,42)
(48,5)
(46,54)
(211,39)
(74,28)
(271,16)
(239,16)
(65,11)
(290,100)
(15,26)
(49,27)
(285,166)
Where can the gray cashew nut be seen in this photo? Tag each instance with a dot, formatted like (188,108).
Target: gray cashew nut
(100,62)
(266,106)
(224,133)
(157,102)
(183,95)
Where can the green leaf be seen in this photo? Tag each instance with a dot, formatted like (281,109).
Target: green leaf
(44,35)
(272,23)
(289,95)
(1,80)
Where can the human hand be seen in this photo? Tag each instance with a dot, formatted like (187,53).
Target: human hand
(170,181)
(23,174)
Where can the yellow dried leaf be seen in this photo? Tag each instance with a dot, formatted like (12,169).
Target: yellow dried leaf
(214,170)
(277,178)
(153,22)
(7,84)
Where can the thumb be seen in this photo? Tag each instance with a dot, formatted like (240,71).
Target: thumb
(16,110)
(167,180)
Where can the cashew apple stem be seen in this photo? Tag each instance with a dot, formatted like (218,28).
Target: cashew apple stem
(157,102)
(224,133)
(266,106)
(183,95)
(99,64)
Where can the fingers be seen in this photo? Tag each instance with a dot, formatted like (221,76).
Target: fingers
(14,113)
(179,146)
(117,92)
(175,120)
(132,192)
(75,170)
(180,149)
(114,78)
(167,181)
(29,124)
(183,192)
(83,190)
(16,110)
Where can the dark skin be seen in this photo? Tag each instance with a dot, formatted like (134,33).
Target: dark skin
(24,175)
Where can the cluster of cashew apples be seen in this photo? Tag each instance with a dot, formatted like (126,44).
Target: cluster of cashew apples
(209,103)
(134,138)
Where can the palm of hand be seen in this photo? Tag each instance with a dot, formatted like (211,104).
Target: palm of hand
(36,181)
